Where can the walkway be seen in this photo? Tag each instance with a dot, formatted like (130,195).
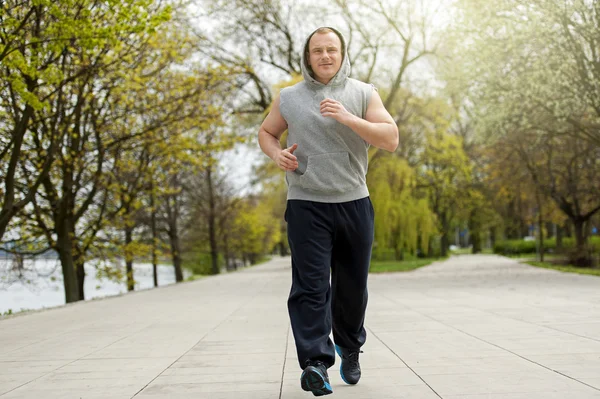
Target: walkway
(473,327)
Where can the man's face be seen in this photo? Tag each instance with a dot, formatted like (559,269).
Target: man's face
(325,55)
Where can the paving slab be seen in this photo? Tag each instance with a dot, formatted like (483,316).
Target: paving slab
(471,327)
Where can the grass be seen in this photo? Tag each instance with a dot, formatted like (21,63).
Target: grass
(469,251)
(533,257)
(461,251)
(11,312)
(262,260)
(567,269)
(195,277)
(399,266)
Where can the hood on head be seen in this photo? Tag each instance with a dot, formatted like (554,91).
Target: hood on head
(342,74)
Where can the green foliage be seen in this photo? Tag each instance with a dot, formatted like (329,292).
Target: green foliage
(200,263)
(255,230)
(529,74)
(514,247)
(382,254)
(261,260)
(195,277)
(445,178)
(122,102)
(566,269)
(403,223)
(399,266)
(36,35)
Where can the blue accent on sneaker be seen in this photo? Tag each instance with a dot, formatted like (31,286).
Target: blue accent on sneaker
(350,363)
(339,352)
(314,379)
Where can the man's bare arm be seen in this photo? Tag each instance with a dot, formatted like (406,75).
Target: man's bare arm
(378,128)
(268,138)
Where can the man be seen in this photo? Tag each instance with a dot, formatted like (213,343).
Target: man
(331,120)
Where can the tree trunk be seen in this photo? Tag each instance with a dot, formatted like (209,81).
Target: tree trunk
(212,226)
(559,238)
(176,254)
(476,240)
(445,239)
(226,250)
(154,268)
(129,258)
(281,248)
(420,252)
(578,226)
(177,261)
(64,247)
(399,253)
(476,234)
(567,230)
(430,250)
(541,232)
(493,237)
(79,264)
(580,256)
(445,244)
(154,237)
(8,210)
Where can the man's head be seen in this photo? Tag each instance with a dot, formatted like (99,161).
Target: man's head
(324,54)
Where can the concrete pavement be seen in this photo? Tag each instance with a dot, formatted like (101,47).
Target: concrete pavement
(473,327)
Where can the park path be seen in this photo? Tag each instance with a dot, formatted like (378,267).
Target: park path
(472,327)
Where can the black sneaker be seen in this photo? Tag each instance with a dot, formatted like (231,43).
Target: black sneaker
(315,379)
(350,368)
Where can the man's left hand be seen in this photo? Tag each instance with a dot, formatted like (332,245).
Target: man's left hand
(335,110)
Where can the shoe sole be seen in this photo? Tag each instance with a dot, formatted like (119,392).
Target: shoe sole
(339,352)
(313,381)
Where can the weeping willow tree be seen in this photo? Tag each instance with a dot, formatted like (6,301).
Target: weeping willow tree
(403,222)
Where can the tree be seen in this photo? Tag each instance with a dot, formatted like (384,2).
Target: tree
(212,197)
(403,28)
(403,222)
(256,39)
(445,177)
(102,113)
(256,231)
(567,171)
(129,180)
(533,78)
(46,51)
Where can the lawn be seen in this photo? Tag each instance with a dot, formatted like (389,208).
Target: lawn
(399,266)
(195,277)
(469,251)
(533,257)
(566,269)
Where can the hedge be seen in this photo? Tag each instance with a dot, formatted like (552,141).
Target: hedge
(514,247)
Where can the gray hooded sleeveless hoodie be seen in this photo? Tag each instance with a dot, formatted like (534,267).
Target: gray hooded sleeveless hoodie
(332,158)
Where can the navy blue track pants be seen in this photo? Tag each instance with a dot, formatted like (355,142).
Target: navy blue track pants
(336,239)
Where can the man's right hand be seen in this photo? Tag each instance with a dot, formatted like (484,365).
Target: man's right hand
(286,160)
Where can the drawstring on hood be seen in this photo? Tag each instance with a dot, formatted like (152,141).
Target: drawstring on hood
(339,78)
